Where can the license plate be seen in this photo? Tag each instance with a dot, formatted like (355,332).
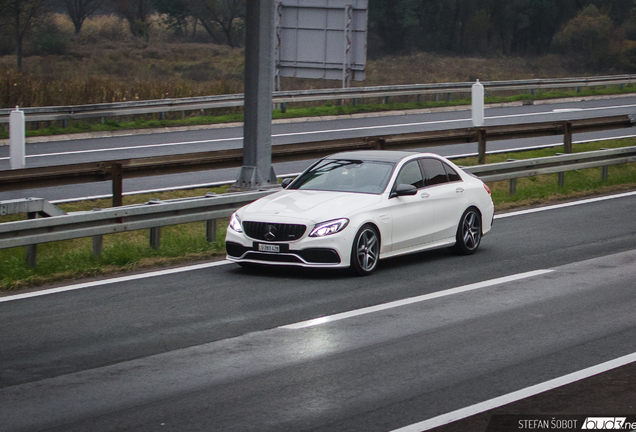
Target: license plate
(268,248)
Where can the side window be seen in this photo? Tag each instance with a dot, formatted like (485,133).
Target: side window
(435,172)
(452,174)
(411,174)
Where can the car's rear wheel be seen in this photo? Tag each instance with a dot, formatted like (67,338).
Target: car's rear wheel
(468,232)
(365,251)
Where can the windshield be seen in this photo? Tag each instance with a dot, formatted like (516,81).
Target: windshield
(346,176)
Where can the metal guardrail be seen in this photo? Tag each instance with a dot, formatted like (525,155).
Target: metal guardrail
(151,215)
(77,112)
(155,213)
(115,171)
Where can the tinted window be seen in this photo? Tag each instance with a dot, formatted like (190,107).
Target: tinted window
(411,175)
(345,176)
(452,174)
(435,172)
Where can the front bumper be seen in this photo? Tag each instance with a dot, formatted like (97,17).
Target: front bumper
(331,251)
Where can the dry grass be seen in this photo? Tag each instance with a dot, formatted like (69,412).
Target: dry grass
(106,64)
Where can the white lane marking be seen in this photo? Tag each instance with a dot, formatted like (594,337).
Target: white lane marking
(518,395)
(564,205)
(219,263)
(328,131)
(129,148)
(564,110)
(418,299)
(112,281)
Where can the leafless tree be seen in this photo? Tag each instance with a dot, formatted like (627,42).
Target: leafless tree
(79,10)
(219,14)
(136,13)
(19,17)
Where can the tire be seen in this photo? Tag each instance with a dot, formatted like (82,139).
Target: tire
(469,233)
(365,251)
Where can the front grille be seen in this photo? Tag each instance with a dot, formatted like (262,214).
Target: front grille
(273,232)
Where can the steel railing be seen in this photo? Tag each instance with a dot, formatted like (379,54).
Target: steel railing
(155,213)
(78,112)
(116,171)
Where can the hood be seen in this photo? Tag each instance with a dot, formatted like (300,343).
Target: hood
(295,206)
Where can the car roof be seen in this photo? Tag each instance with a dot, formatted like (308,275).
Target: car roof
(375,155)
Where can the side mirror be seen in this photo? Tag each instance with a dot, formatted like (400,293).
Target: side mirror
(287,182)
(403,190)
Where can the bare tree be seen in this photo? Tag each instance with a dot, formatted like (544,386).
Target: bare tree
(136,13)
(219,14)
(20,16)
(79,10)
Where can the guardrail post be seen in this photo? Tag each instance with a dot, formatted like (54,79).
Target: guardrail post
(210,230)
(561,179)
(513,186)
(155,237)
(481,141)
(118,180)
(567,137)
(17,139)
(605,173)
(98,245)
(283,107)
(32,250)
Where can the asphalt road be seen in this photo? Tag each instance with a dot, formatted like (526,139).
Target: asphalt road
(212,348)
(130,146)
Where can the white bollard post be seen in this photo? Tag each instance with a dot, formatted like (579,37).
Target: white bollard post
(17,138)
(478,104)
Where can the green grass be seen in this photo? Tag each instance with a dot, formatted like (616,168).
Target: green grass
(544,189)
(67,260)
(112,124)
(73,259)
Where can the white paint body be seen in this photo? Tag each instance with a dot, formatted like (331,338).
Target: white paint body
(406,224)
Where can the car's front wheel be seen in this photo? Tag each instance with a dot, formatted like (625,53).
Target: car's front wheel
(365,251)
(468,233)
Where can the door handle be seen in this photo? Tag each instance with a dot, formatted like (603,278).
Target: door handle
(425,195)
(459,190)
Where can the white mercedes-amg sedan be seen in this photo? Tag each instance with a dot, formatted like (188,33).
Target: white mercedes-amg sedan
(352,209)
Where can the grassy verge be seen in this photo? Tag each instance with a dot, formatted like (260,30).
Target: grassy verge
(73,259)
(317,111)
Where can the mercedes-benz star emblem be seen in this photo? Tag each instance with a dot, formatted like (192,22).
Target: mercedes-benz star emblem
(270,233)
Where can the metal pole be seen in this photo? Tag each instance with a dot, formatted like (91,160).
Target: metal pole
(257,171)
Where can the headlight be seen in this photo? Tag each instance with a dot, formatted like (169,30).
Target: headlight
(328,228)
(235,223)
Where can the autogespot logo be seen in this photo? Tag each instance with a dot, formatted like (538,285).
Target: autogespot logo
(608,423)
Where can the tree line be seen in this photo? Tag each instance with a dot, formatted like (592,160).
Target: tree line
(19,18)
(595,32)
(481,26)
